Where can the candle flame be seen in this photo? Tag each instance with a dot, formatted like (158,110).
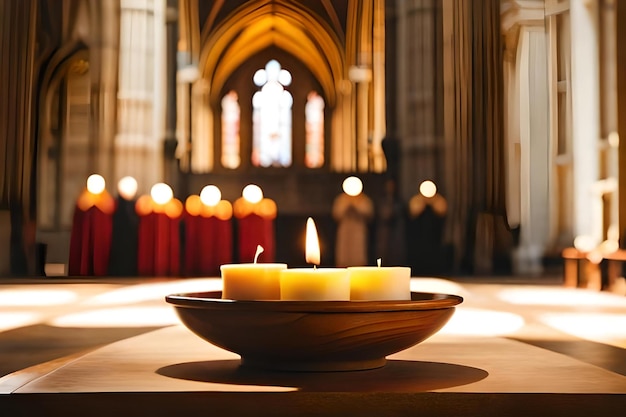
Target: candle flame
(378,262)
(312,243)
(259,250)
(161,193)
(95,184)
(127,187)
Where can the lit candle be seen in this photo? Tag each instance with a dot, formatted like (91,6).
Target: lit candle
(158,243)
(92,224)
(380,283)
(208,232)
(255,281)
(255,216)
(316,284)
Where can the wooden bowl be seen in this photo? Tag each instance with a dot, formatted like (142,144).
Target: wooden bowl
(314,335)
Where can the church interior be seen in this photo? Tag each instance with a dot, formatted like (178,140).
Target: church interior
(146,144)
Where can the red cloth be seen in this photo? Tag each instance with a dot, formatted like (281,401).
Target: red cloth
(158,251)
(255,230)
(208,244)
(90,242)
(222,242)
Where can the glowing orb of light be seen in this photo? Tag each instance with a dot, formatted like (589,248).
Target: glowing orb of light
(127,187)
(95,184)
(585,243)
(428,189)
(161,193)
(352,186)
(613,139)
(252,193)
(210,195)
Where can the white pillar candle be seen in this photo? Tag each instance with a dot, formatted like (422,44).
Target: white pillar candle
(378,283)
(320,284)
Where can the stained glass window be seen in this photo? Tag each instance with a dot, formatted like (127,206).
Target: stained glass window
(314,127)
(230,130)
(271,117)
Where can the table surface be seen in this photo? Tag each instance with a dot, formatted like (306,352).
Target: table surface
(173,371)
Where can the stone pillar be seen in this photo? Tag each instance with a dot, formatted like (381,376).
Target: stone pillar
(103,68)
(18,20)
(585,87)
(170,168)
(620,37)
(526,130)
(141,93)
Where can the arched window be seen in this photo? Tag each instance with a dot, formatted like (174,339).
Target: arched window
(271,117)
(230,130)
(314,126)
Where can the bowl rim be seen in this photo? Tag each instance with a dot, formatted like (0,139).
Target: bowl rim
(211,300)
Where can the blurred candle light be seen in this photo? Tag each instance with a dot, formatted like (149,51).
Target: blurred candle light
(428,189)
(127,187)
(161,193)
(352,210)
(252,193)
(255,217)
(92,226)
(210,195)
(208,232)
(352,186)
(159,235)
(95,184)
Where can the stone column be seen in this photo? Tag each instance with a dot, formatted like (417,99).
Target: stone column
(170,168)
(526,109)
(585,87)
(18,20)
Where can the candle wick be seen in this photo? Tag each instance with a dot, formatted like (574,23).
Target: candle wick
(314,267)
(378,261)
(259,250)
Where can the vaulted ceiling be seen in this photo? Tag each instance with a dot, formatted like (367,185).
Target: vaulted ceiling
(313,31)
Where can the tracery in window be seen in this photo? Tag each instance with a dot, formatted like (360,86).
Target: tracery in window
(314,127)
(271,117)
(230,130)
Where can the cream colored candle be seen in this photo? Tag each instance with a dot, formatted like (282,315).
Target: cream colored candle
(319,284)
(314,284)
(378,283)
(255,281)
(251,281)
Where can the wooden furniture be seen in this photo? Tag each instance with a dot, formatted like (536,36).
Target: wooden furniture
(579,270)
(173,372)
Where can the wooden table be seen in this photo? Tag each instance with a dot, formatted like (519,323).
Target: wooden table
(172,372)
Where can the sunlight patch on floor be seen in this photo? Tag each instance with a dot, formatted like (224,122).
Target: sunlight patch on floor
(119,317)
(13,320)
(153,291)
(478,322)
(36,297)
(609,328)
(571,297)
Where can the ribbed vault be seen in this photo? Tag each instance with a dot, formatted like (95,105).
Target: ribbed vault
(254,27)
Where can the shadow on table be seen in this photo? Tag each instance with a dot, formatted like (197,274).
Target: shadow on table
(396,376)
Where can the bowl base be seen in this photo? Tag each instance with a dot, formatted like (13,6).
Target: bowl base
(313,366)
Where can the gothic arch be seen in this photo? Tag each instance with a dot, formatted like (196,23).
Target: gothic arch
(251,29)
